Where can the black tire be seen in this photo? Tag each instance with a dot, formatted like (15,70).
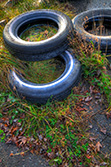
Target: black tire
(42,50)
(55,90)
(83,22)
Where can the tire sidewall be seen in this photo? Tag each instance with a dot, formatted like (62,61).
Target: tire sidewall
(58,89)
(14,42)
(79,22)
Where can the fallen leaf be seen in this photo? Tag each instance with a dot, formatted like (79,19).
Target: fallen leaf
(11,154)
(98,146)
(97,97)
(22,153)
(90,108)
(9,141)
(79,109)
(103,130)
(90,126)
(14,88)
(91,89)
(32,151)
(108,114)
(103,164)
(92,146)
(13,130)
(40,137)
(88,156)
(95,91)
(8,100)
(87,99)
(45,139)
(14,139)
(24,139)
(50,155)
(92,138)
(45,32)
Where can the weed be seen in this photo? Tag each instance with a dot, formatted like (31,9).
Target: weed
(38,33)
(94,65)
(44,71)
(2,136)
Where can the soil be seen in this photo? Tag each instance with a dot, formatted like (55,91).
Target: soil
(100,125)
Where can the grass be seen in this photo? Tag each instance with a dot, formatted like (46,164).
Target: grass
(38,33)
(96,72)
(58,129)
(44,71)
(53,126)
(100,28)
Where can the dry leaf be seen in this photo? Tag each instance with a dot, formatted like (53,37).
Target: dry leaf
(24,139)
(87,99)
(11,154)
(88,156)
(90,126)
(92,146)
(22,153)
(45,32)
(13,130)
(92,138)
(98,146)
(32,151)
(103,130)
(108,114)
(79,109)
(91,89)
(50,155)
(103,164)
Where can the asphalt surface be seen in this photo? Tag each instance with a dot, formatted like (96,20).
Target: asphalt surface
(98,4)
(29,160)
(32,160)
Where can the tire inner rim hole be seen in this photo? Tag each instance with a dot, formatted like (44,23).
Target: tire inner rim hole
(99,25)
(37,30)
(46,71)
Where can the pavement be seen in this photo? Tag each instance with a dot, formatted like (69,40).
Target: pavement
(100,126)
(98,4)
(29,160)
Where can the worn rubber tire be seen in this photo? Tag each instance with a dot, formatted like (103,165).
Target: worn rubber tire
(42,50)
(89,16)
(55,90)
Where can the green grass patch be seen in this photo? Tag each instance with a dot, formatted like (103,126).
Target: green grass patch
(38,33)
(44,71)
(55,127)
